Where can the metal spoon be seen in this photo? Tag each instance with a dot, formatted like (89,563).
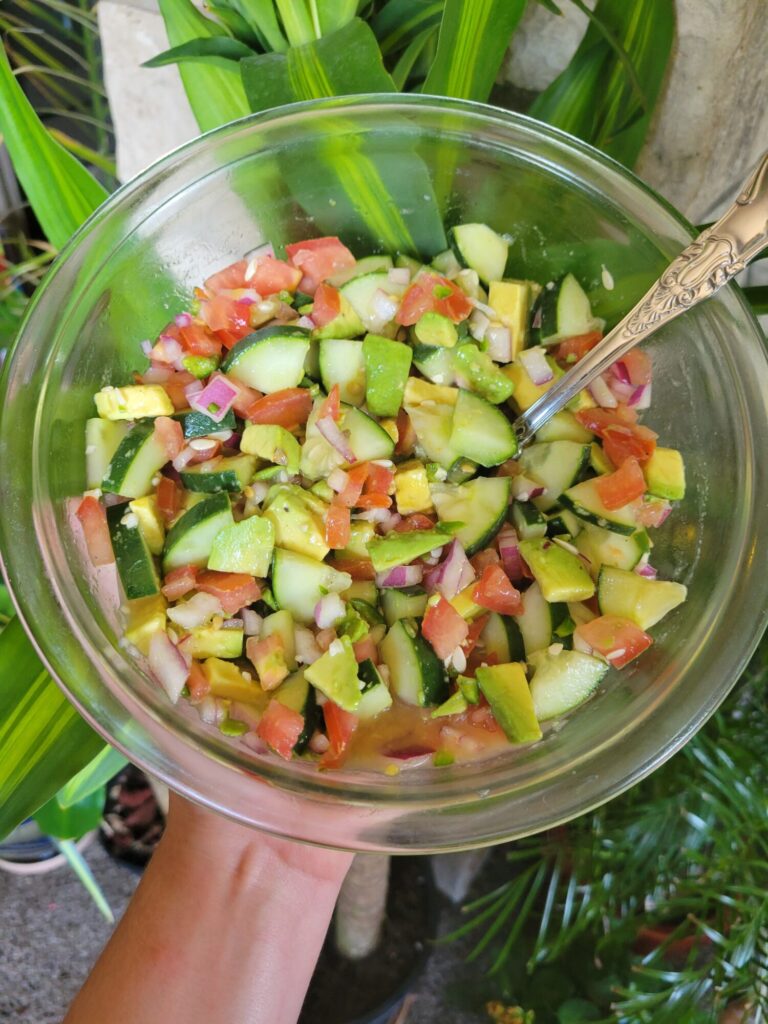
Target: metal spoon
(709,262)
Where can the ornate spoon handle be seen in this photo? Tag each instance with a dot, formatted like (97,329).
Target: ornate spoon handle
(709,262)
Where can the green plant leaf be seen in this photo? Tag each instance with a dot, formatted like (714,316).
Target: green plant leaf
(399,22)
(60,190)
(79,865)
(334,14)
(474,36)
(757,296)
(301,21)
(215,94)
(261,17)
(96,774)
(74,821)
(410,55)
(219,51)
(43,739)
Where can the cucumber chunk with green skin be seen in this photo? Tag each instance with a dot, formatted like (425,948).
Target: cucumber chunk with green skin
(401,548)
(387,364)
(481,432)
(367,439)
(335,674)
(403,603)
(135,564)
(197,424)
(539,620)
(435,363)
(366,265)
(482,374)
(565,312)
(362,590)
(564,524)
(501,637)
(361,293)
(270,359)
(528,521)
(416,673)
(479,247)
(563,427)
(561,682)
(480,504)
(102,439)
(191,538)
(435,329)
(446,263)
(273,443)
(556,465)
(376,696)
(342,363)
(137,460)
(298,583)
(665,474)
(560,574)
(232,473)
(297,694)
(505,687)
(244,547)
(346,323)
(603,547)
(641,600)
(585,503)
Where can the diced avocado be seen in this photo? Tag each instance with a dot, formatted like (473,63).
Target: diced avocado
(133,402)
(560,574)
(641,600)
(400,548)
(525,391)
(455,705)
(281,623)
(481,373)
(561,682)
(505,687)
(511,301)
(598,460)
(469,688)
(335,674)
(665,474)
(273,443)
(244,547)
(210,642)
(412,488)
(321,490)
(582,400)
(146,616)
(102,439)
(151,525)
(435,329)
(387,364)
(227,473)
(563,427)
(297,526)
(361,533)
(269,661)
(417,392)
(135,564)
(227,681)
(346,324)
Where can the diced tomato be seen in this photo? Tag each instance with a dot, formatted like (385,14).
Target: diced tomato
(170,435)
(93,520)
(406,435)
(380,480)
(652,511)
(197,682)
(234,590)
(339,725)
(358,568)
(625,485)
(367,501)
(365,648)
(288,408)
(495,591)
(571,350)
(272,275)
(197,340)
(331,405)
(319,259)
(232,276)
(617,640)
(483,559)
(353,488)
(475,629)
(268,658)
(280,727)
(227,318)
(597,419)
(169,498)
(326,304)
(179,582)
(245,398)
(174,388)
(638,365)
(622,436)
(444,628)
(477,657)
(415,521)
(431,293)
(337,527)
(483,717)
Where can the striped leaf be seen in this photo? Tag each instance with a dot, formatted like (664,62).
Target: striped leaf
(218,51)
(260,17)
(60,190)
(43,739)
(97,773)
(474,35)
(215,94)
(399,22)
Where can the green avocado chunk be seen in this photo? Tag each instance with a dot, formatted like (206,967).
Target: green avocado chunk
(244,547)
(506,689)
(401,548)
(335,674)
(387,364)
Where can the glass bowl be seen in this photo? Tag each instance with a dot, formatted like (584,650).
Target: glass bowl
(408,163)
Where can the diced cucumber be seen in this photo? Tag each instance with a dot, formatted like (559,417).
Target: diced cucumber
(505,687)
(367,439)
(135,564)
(387,364)
(480,431)
(367,265)
(191,538)
(561,682)
(362,590)
(563,427)
(528,521)
(603,547)
(403,260)
(560,574)
(102,439)
(435,363)
(416,673)
(244,547)
(564,524)
(502,637)
(538,620)
(342,363)
(376,696)
(360,292)
(197,424)
(565,312)
(270,359)
(479,247)
(555,464)
(407,603)
(298,583)
(480,504)
(470,689)
(139,457)
(584,501)
(642,600)
(297,694)
(665,474)
(445,263)
(231,473)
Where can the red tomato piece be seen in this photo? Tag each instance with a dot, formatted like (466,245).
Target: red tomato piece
(597,420)
(331,405)
(366,649)
(169,498)
(638,365)
(415,521)
(406,435)
(280,727)
(197,682)
(319,259)
(179,582)
(232,276)
(431,293)
(340,726)
(358,568)
(380,480)
(268,658)
(495,591)
(483,559)
(93,520)
(170,435)
(625,485)
(174,388)
(617,640)
(353,488)
(326,305)
(223,313)
(287,408)
(233,590)
(367,501)
(337,527)
(272,275)
(624,442)
(571,350)
(197,340)
(473,636)
(444,628)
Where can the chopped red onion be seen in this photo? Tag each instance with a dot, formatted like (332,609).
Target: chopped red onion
(193,388)
(168,351)
(211,710)
(567,546)
(536,321)
(307,649)
(646,570)
(400,576)
(399,275)
(254,256)
(453,574)
(232,624)
(183,459)
(580,644)
(204,448)
(167,665)
(499,343)
(183,320)
(602,394)
(621,391)
(408,753)
(307,322)
(251,622)
(333,435)
(156,374)
(198,610)
(216,398)
(146,347)
(620,372)
(509,551)
(384,307)
(641,397)
(535,364)
(392,520)
(337,479)
(328,610)
(319,743)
